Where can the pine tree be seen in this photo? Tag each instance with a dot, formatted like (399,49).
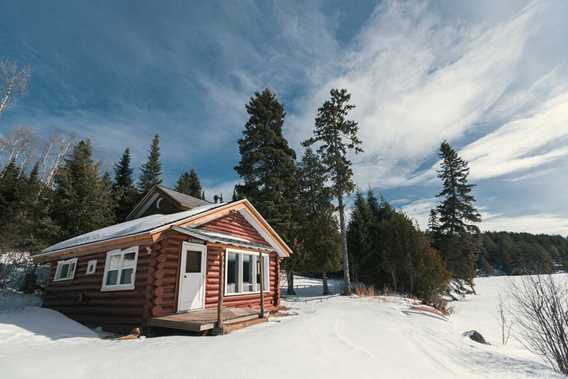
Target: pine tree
(189,183)
(11,188)
(124,192)
(457,215)
(336,136)
(151,171)
(82,201)
(321,254)
(267,165)
(37,229)
(456,232)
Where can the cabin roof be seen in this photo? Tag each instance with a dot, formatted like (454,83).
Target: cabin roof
(153,225)
(184,202)
(128,228)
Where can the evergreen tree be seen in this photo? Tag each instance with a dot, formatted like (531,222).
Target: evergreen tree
(151,171)
(36,228)
(11,186)
(321,254)
(457,215)
(268,170)
(82,201)
(456,230)
(124,192)
(267,165)
(189,183)
(336,136)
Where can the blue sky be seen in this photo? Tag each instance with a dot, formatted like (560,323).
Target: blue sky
(490,77)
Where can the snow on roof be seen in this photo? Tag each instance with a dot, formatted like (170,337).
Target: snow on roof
(128,228)
(221,237)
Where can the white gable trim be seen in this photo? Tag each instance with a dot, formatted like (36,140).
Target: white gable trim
(251,220)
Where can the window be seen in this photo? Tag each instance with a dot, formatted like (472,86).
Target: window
(120,269)
(65,269)
(91,266)
(243,272)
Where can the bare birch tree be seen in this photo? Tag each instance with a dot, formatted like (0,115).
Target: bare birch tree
(505,321)
(541,312)
(13,82)
(17,145)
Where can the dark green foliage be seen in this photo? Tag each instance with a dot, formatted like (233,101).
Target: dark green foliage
(453,222)
(388,251)
(25,201)
(336,136)
(521,253)
(267,165)
(83,199)
(189,183)
(125,195)
(151,171)
(456,213)
(318,231)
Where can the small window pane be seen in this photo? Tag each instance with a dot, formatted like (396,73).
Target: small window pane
(112,276)
(126,276)
(232,273)
(129,260)
(64,271)
(193,261)
(114,262)
(247,273)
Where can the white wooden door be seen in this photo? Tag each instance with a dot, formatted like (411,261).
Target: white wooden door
(192,277)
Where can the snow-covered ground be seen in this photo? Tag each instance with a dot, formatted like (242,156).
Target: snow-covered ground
(336,337)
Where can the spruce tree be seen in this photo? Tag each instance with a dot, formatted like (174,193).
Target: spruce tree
(336,137)
(82,201)
(267,165)
(321,254)
(151,171)
(189,183)
(456,230)
(124,192)
(11,189)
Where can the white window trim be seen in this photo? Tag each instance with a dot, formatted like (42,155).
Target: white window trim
(120,287)
(266,271)
(58,269)
(91,267)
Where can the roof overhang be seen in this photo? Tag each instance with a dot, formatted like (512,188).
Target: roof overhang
(220,238)
(244,207)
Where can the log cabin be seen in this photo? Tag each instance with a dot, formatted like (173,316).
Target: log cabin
(178,262)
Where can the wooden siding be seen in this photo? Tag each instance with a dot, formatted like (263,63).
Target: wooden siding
(235,224)
(81,298)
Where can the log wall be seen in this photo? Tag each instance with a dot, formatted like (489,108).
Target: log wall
(81,298)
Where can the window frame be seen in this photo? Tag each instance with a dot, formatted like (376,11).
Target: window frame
(239,284)
(120,287)
(91,267)
(58,269)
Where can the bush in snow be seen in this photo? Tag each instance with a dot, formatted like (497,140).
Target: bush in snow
(541,311)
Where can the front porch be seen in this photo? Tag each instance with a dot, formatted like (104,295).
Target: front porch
(205,319)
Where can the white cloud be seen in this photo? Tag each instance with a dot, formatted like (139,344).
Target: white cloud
(530,223)
(521,144)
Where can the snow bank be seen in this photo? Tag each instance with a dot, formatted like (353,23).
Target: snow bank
(337,338)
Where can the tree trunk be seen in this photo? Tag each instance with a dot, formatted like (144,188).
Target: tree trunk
(346,277)
(325,285)
(290,280)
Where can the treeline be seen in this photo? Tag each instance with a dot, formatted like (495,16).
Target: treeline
(522,253)
(389,251)
(69,194)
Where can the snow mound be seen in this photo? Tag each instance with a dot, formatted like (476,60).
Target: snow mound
(35,325)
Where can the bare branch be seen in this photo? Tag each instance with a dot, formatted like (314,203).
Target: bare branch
(13,82)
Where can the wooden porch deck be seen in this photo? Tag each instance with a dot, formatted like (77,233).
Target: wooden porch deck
(205,319)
